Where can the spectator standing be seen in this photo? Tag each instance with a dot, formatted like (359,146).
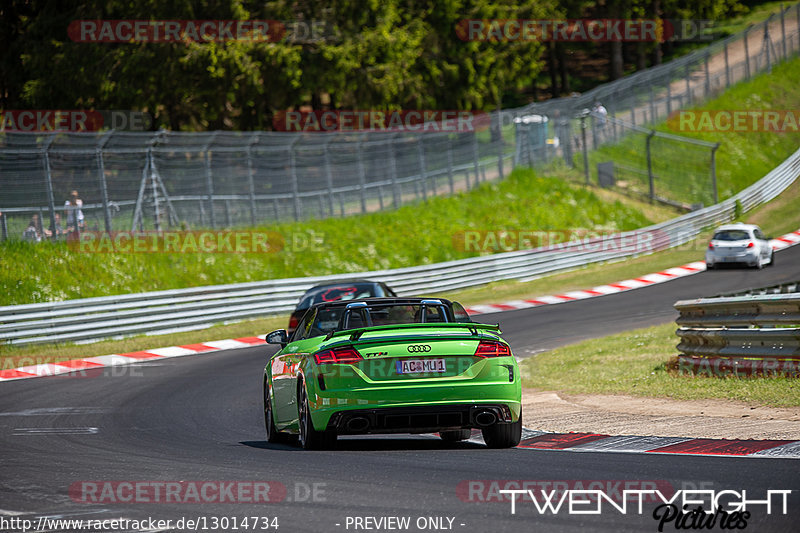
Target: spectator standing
(34,231)
(75,220)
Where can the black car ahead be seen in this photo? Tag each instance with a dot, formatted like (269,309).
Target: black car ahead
(352,289)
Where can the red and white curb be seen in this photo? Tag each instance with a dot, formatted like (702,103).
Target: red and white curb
(790,239)
(103,361)
(592,442)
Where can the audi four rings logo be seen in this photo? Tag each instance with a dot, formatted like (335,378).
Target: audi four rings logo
(416,348)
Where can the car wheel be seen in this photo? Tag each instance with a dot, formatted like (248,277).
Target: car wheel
(759,263)
(503,435)
(710,266)
(455,435)
(308,437)
(772,258)
(273,435)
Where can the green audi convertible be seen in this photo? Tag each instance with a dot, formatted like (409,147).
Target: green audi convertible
(391,365)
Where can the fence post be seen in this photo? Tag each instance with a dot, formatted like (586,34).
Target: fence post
(210,181)
(362,175)
(500,145)
(101,175)
(783,31)
(650,176)
(51,203)
(708,75)
(585,148)
(3,226)
(156,206)
(714,173)
(669,96)
(293,175)
(767,43)
(688,85)
(251,179)
(396,197)
(746,54)
(450,163)
(423,171)
(328,173)
(727,66)
(475,161)
(652,102)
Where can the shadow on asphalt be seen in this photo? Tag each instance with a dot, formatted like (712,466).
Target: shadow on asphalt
(377,444)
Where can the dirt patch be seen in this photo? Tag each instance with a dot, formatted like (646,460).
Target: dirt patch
(663,417)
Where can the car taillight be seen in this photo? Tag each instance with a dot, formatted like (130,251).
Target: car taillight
(711,246)
(492,349)
(750,244)
(338,356)
(293,322)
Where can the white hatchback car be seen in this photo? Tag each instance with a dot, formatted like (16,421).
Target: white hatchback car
(739,243)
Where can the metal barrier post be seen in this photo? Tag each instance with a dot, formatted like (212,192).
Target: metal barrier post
(708,75)
(328,174)
(51,203)
(475,160)
(714,173)
(450,164)
(746,54)
(727,66)
(783,31)
(251,179)
(688,86)
(396,198)
(293,173)
(423,171)
(500,145)
(585,149)
(210,181)
(101,175)
(362,177)
(650,177)
(669,97)
(3,226)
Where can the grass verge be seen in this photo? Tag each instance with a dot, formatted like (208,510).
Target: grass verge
(634,363)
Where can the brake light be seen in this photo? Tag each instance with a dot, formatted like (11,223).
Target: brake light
(750,244)
(492,349)
(338,356)
(711,246)
(293,321)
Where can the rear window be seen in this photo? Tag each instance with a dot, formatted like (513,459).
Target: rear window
(731,235)
(328,320)
(344,292)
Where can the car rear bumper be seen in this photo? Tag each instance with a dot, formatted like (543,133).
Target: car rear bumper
(422,419)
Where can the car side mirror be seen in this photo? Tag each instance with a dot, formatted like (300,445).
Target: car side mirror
(278,337)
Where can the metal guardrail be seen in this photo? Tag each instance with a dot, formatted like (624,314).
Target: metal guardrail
(198,307)
(741,335)
(781,288)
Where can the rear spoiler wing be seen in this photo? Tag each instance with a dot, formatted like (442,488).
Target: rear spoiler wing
(461,330)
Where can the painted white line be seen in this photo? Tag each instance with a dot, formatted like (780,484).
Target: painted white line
(172,351)
(6,512)
(56,431)
(44,411)
(628,444)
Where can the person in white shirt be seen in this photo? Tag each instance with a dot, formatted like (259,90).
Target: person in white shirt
(75,220)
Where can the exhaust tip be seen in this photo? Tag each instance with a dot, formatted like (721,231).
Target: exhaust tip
(485,418)
(357,423)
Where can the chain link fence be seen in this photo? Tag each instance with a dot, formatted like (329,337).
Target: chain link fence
(160,180)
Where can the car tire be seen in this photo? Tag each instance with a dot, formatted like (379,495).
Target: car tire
(710,266)
(503,435)
(273,435)
(309,438)
(772,259)
(759,263)
(455,435)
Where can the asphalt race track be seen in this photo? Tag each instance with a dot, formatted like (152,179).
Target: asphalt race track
(199,419)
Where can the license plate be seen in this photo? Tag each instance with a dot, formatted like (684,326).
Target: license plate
(420,366)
